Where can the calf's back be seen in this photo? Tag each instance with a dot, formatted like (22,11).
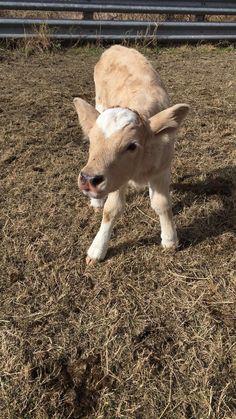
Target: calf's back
(123,77)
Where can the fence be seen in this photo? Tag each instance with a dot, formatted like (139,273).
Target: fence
(88,28)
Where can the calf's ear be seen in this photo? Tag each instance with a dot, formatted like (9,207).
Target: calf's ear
(169,120)
(87,114)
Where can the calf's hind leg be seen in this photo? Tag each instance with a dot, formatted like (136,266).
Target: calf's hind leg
(161,203)
(113,207)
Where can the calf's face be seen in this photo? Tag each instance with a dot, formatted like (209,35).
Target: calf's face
(119,139)
(116,138)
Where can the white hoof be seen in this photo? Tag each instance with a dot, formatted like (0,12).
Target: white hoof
(169,243)
(90,261)
(96,253)
(99,246)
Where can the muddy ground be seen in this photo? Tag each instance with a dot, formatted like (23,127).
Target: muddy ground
(146,334)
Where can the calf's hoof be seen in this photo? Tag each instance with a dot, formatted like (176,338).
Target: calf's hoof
(95,254)
(90,261)
(169,244)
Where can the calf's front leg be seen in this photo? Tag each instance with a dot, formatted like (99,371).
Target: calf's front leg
(113,207)
(161,203)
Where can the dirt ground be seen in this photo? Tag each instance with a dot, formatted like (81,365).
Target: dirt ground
(146,334)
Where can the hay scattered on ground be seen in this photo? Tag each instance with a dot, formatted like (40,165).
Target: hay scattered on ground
(146,333)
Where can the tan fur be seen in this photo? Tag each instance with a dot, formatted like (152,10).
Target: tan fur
(106,217)
(124,78)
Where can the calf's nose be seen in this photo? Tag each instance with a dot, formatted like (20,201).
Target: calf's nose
(96,180)
(93,180)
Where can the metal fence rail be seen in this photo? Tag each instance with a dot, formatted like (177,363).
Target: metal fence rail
(89,29)
(126,6)
(110,30)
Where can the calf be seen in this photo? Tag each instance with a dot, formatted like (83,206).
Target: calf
(131,134)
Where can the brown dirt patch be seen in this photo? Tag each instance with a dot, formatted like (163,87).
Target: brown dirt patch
(146,333)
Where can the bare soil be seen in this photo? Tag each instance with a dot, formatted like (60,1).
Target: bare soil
(146,334)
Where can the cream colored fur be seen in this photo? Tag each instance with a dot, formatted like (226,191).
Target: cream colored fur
(131,134)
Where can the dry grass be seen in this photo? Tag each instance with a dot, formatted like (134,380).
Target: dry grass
(146,334)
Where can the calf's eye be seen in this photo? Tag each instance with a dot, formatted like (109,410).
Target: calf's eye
(131,147)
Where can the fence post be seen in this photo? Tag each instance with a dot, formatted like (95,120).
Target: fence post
(87,15)
(200,18)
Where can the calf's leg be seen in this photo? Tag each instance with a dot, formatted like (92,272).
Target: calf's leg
(112,209)
(161,203)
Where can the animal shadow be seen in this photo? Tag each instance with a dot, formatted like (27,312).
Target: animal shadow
(220,183)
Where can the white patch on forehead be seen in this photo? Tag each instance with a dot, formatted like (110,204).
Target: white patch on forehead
(114,119)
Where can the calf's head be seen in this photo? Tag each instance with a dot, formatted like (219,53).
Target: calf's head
(120,140)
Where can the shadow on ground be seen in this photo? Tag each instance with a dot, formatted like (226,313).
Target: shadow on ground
(219,183)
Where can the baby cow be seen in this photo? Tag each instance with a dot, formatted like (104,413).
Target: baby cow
(131,134)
